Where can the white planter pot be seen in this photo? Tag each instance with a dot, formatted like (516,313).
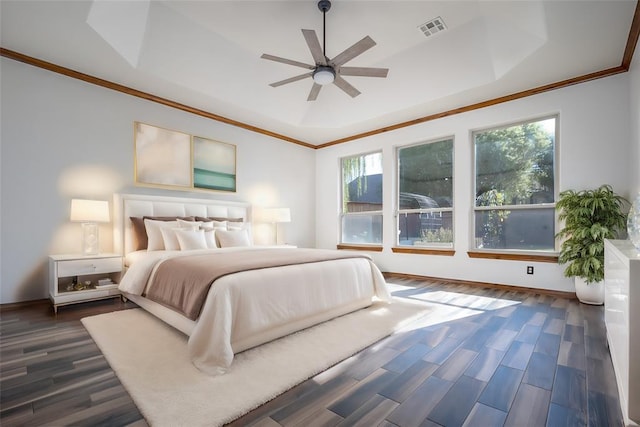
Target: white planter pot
(592,293)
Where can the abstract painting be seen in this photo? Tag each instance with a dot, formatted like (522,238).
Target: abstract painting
(214,165)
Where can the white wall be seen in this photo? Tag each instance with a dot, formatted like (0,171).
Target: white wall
(62,138)
(634,158)
(593,150)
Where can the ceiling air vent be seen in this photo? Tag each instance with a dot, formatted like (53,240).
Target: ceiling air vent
(432,27)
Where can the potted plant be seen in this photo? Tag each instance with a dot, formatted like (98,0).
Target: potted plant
(589,216)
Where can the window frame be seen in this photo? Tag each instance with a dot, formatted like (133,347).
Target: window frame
(343,212)
(515,254)
(426,248)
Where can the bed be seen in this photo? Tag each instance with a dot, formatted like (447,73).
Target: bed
(260,293)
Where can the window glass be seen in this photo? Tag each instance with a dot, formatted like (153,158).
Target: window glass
(515,186)
(425,194)
(361,220)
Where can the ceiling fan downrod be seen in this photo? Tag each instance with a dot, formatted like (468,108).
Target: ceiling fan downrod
(324,6)
(324,73)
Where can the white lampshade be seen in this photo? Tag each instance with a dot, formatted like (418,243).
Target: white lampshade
(282,215)
(273,215)
(89,210)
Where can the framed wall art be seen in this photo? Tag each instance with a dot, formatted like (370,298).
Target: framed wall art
(214,165)
(176,160)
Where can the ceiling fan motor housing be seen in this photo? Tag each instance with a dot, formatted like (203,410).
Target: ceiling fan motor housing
(324,5)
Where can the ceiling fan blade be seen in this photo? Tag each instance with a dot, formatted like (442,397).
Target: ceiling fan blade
(353,51)
(345,86)
(314,46)
(290,80)
(363,71)
(287,61)
(315,90)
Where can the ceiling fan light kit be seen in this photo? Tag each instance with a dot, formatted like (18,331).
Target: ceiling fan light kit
(324,75)
(325,70)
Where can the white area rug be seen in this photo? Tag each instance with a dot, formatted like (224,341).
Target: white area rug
(151,360)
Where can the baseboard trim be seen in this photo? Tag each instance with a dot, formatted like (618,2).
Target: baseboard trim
(550,292)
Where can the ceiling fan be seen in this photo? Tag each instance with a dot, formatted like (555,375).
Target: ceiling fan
(326,70)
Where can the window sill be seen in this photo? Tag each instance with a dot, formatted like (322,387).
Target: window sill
(511,256)
(370,248)
(423,251)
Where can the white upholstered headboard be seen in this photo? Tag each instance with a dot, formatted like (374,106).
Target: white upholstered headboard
(128,205)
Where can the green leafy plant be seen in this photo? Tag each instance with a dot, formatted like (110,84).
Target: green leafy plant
(441,235)
(493,225)
(590,216)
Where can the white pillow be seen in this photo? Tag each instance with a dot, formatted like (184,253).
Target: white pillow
(190,239)
(210,238)
(170,239)
(154,234)
(228,238)
(235,226)
(194,224)
(219,225)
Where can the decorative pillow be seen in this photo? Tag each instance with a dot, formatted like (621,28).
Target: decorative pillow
(140,240)
(187,224)
(210,238)
(214,225)
(228,238)
(235,226)
(169,238)
(154,235)
(191,239)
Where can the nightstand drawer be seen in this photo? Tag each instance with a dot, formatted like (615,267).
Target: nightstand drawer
(88,266)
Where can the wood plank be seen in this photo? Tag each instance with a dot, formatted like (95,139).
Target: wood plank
(548,344)
(563,416)
(354,398)
(457,403)
(412,411)
(540,371)
(575,356)
(529,407)
(501,390)
(371,413)
(483,415)
(406,383)
(455,365)
(483,366)
(570,388)
(407,358)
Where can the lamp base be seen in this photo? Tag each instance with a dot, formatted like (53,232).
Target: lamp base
(90,238)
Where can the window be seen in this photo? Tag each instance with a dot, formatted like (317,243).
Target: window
(361,219)
(425,195)
(515,186)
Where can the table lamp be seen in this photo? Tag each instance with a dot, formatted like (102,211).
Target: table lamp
(90,213)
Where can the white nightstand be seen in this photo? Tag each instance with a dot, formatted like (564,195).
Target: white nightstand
(79,278)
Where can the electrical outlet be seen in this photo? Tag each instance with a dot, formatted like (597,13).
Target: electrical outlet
(529,269)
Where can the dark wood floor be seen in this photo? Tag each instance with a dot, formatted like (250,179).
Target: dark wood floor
(539,361)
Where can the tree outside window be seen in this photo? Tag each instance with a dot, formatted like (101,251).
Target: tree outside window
(515,186)
(425,194)
(361,216)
